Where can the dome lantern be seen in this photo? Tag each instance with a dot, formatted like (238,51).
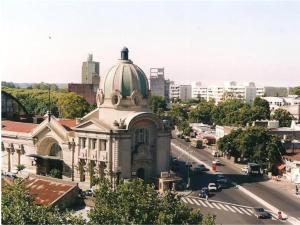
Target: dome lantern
(124,53)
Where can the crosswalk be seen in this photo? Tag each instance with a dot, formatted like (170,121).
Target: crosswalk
(225,206)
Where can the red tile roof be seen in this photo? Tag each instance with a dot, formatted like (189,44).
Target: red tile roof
(9,125)
(47,191)
(67,123)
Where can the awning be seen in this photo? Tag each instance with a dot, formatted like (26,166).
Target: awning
(44,157)
(281,166)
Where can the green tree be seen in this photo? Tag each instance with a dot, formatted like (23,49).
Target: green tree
(158,104)
(261,109)
(202,113)
(8,84)
(18,207)
(137,203)
(63,104)
(283,116)
(295,90)
(178,113)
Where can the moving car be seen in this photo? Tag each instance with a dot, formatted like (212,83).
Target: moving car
(260,213)
(199,168)
(196,143)
(245,169)
(216,154)
(212,187)
(216,161)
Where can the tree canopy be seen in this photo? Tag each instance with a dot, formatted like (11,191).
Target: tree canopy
(63,104)
(254,144)
(283,116)
(295,90)
(158,104)
(134,202)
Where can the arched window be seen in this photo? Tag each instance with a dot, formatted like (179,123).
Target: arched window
(141,136)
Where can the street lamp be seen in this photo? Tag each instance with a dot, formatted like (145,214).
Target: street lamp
(72,145)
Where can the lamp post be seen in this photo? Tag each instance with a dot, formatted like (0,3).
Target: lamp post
(72,146)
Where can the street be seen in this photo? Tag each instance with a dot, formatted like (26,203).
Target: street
(231,205)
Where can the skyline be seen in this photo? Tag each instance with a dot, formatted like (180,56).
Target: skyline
(211,42)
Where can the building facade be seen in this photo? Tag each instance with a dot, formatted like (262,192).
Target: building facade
(120,139)
(159,86)
(182,92)
(199,91)
(90,71)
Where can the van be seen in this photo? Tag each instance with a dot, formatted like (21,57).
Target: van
(196,143)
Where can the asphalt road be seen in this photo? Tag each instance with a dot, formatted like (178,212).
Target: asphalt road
(226,197)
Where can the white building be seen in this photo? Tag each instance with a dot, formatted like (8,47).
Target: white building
(182,92)
(199,91)
(120,139)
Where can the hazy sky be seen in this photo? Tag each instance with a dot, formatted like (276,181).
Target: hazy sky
(207,41)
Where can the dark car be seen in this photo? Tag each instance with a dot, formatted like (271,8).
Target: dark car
(222,184)
(260,213)
(204,193)
(199,169)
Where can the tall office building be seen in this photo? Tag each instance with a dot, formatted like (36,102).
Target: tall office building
(159,86)
(89,81)
(90,71)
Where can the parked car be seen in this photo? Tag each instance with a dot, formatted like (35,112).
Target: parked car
(89,192)
(204,193)
(223,184)
(260,213)
(212,187)
(187,138)
(216,153)
(245,169)
(196,143)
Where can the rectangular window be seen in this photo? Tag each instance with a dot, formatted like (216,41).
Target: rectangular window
(83,142)
(102,145)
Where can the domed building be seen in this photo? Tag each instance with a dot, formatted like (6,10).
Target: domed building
(120,139)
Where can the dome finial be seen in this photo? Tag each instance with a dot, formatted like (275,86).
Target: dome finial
(124,53)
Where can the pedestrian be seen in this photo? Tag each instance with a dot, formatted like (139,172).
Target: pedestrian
(297,190)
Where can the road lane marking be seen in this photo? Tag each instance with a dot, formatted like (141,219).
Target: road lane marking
(194,200)
(215,205)
(237,209)
(190,201)
(202,202)
(249,210)
(230,208)
(245,211)
(210,205)
(223,207)
(184,200)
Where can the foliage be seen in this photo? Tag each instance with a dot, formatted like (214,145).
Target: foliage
(137,203)
(55,173)
(261,109)
(18,207)
(158,104)
(254,144)
(283,116)
(178,113)
(20,167)
(63,104)
(295,90)
(202,113)
(8,84)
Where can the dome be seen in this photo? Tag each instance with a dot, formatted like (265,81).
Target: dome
(125,78)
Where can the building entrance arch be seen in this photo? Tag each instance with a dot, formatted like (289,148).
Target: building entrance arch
(49,158)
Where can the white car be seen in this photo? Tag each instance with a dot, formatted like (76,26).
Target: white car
(212,187)
(245,169)
(216,161)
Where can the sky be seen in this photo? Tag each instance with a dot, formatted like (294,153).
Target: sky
(207,41)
